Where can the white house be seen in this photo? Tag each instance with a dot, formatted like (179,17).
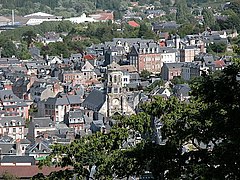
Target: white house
(40,17)
(82,19)
(12,126)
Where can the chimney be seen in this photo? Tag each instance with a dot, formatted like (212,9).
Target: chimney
(18,148)
(13,19)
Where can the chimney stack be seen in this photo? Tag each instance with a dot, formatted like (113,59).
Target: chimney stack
(18,148)
(13,19)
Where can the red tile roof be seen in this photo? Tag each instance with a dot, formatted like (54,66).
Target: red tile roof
(28,171)
(103,16)
(133,24)
(219,63)
(89,57)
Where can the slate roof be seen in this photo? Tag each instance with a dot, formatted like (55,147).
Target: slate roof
(76,114)
(18,159)
(7,148)
(182,90)
(73,99)
(97,125)
(9,96)
(94,100)
(6,139)
(173,65)
(42,121)
(39,147)
(24,141)
(6,121)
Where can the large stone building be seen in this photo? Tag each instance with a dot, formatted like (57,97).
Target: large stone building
(114,100)
(116,93)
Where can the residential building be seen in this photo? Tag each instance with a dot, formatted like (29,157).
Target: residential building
(190,70)
(13,126)
(74,77)
(170,70)
(188,53)
(11,105)
(146,56)
(75,119)
(39,125)
(57,107)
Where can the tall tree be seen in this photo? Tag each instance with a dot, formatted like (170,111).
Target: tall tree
(209,19)
(29,37)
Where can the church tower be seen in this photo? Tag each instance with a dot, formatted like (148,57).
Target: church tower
(116,97)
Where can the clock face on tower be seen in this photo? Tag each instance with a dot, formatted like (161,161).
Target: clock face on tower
(115,102)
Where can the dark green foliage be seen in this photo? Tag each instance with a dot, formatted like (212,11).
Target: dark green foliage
(209,19)
(217,47)
(56,49)
(232,13)
(178,80)
(8,176)
(29,37)
(145,74)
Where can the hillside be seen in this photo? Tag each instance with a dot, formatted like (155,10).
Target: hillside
(67,8)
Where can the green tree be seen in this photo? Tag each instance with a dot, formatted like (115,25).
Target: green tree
(178,80)
(8,49)
(145,32)
(23,52)
(217,47)
(29,37)
(145,74)
(7,176)
(56,49)
(209,19)
(182,11)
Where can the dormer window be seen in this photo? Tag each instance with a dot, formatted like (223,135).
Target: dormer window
(6,124)
(13,123)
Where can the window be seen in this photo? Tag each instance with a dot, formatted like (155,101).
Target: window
(14,130)
(115,90)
